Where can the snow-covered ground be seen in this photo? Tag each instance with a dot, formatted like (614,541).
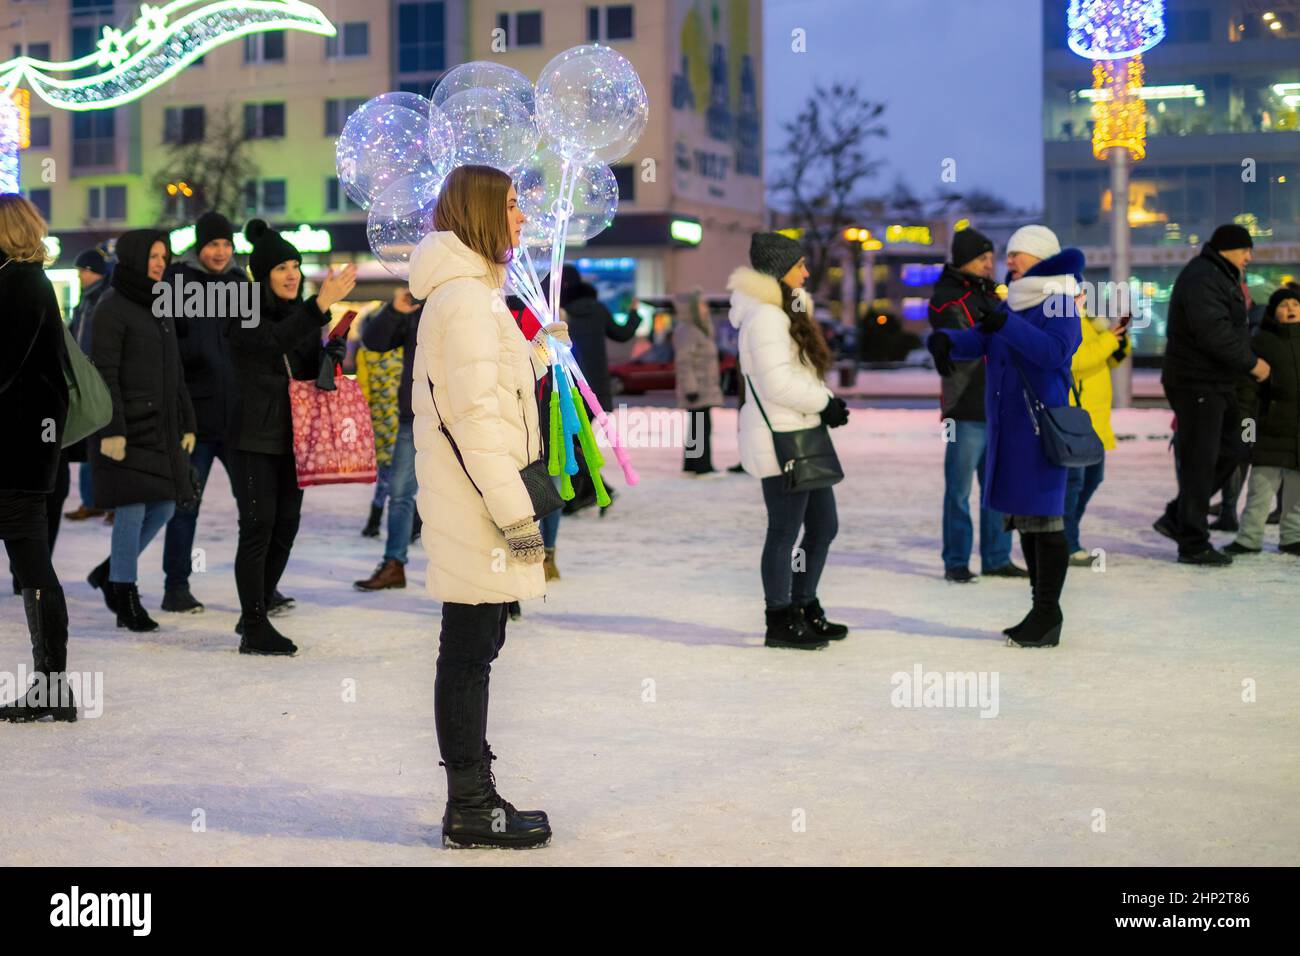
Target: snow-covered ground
(638,706)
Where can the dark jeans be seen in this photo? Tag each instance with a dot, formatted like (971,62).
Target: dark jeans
(472,635)
(270,505)
(963,460)
(814,512)
(698,453)
(1209,449)
(178,543)
(53,516)
(1080,483)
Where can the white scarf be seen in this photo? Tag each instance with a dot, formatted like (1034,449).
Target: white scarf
(1029,291)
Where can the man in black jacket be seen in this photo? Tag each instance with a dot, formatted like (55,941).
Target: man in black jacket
(210,379)
(1208,348)
(395,326)
(964,292)
(92,273)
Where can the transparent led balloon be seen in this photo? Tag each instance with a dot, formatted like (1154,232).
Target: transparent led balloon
(399,218)
(484,74)
(492,128)
(537,237)
(389,138)
(590,101)
(595,194)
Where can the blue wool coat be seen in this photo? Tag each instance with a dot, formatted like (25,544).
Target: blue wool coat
(1018,478)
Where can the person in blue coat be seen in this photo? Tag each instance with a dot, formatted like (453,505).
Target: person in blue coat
(1034,335)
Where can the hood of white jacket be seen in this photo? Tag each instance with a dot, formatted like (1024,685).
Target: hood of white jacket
(1029,291)
(751,289)
(441,257)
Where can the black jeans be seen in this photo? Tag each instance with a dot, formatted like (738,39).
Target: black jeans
(178,543)
(472,635)
(698,454)
(1209,449)
(787,578)
(270,505)
(53,516)
(28,540)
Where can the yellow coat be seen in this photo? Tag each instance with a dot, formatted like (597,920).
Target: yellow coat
(1091,367)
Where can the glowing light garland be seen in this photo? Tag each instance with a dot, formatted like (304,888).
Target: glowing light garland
(163,41)
(1120,118)
(10,137)
(1114,29)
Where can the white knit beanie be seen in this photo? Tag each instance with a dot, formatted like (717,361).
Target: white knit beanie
(1038,241)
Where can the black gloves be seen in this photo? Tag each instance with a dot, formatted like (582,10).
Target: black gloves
(336,349)
(1120,352)
(836,413)
(940,346)
(993,320)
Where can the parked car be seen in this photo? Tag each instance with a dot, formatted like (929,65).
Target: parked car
(653,370)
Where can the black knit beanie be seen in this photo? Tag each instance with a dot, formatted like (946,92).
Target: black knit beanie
(212,225)
(1231,236)
(1277,298)
(774,254)
(269,249)
(93,259)
(968,245)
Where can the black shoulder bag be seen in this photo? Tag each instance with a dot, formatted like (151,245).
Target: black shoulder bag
(806,456)
(1066,432)
(537,480)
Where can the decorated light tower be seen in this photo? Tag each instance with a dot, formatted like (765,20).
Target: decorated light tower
(1114,34)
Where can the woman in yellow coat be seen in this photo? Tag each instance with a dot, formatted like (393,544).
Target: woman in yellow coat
(1102,348)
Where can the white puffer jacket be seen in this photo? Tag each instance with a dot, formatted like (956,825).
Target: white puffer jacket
(483,376)
(791,391)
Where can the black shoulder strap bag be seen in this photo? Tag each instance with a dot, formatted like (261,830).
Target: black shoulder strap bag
(537,480)
(1066,432)
(806,456)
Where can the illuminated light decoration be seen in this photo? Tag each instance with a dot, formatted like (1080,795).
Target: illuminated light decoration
(791,233)
(304,239)
(961,225)
(23,100)
(53,247)
(871,245)
(1120,119)
(684,230)
(9,138)
(1184,91)
(916,235)
(1114,29)
(1290,93)
(167,39)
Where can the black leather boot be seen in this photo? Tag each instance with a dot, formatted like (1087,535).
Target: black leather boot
(1042,628)
(1028,544)
(786,628)
(49,695)
(815,619)
(371,530)
(259,636)
(476,815)
(532,816)
(98,579)
(130,612)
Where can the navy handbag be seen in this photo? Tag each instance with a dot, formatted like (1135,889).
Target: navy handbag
(1066,431)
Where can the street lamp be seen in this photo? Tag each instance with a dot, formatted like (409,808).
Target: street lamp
(857,238)
(1114,34)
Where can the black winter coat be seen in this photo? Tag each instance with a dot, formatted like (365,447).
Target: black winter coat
(81,327)
(390,329)
(136,353)
(205,352)
(1208,340)
(33,391)
(262,419)
(958,302)
(1278,436)
(590,324)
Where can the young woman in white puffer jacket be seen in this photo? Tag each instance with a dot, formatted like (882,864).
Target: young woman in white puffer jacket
(785,358)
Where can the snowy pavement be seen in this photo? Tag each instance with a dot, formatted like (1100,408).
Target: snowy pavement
(639,708)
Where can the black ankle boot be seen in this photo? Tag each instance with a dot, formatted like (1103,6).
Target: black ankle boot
(786,628)
(531,816)
(1042,627)
(259,636)
(49,695)
(130,612)
(815,619)
(371,530)
(476,816)
(98,579)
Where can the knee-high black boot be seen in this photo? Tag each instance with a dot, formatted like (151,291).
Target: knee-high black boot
(1042,628)
(1029,545)
(49,695)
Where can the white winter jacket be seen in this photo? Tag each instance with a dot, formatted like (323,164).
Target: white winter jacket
(483,378)
(792,392)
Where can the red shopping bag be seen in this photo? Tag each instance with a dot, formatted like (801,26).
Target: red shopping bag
(333,440)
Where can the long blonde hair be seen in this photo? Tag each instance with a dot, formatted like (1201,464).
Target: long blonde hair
(473,206)
(22,229)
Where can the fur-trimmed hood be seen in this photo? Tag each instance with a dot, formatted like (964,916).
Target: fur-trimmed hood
(750,289)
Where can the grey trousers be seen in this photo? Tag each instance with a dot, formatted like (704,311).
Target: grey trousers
(1260,494)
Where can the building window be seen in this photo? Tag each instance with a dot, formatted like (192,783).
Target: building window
(1187,26)
(521,29)
(40,132)
(106,202)
(610,23)
(421,37)
(266,196)
(40,198)
(183,124)
(336,197)
(353,40)
(37,51)
(264,120)
(625,174)
(265,47)
(93,139)
(79,5)
(337,113)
